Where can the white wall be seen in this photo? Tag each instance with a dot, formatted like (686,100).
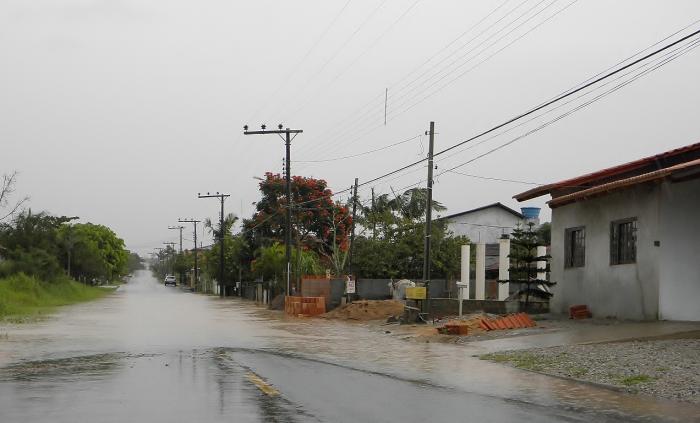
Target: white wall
(471,224)
(628,291)
(679,277)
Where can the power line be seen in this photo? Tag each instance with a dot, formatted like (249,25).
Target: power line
(359,154)
(487,178)
(415,69)
(345,68)
(535,117)
(296,67)
(396,113)
(459,76)
(343,45)
(587,103)
(557,98)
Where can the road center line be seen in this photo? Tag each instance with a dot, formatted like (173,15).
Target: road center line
(261,384)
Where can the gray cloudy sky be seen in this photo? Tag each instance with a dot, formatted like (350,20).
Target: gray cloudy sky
(121,111)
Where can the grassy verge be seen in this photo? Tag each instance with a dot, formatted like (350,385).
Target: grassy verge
(25,298)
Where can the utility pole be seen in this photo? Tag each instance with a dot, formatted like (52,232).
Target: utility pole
(428,220)
(221,197)
(170,259)
(180,228)
(160,260)
(288,172)
(352,226)
(374,218)
(196,269)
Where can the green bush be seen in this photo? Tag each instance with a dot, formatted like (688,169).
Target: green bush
(23,296)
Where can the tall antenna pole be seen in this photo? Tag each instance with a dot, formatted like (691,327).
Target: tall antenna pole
(386,100)
(288,191)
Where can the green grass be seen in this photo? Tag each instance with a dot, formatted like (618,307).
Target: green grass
(25,298)
(636,380)
(521,360)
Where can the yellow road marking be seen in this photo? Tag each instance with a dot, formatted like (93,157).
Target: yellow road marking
(261,384)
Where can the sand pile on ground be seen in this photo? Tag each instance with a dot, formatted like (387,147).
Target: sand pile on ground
(366,310)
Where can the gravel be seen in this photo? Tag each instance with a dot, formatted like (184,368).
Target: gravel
(662,368)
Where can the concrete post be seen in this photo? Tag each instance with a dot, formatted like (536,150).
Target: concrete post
(480,287)
(542,274)
(466,256)
(503,264)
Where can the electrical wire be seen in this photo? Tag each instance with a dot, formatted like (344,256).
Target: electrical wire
(566,94)
(587,103)
(352,63)
(406,76)
(398,111)
(359,154)
(295,68)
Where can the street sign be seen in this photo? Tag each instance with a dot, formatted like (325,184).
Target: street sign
(350,286)
(416,293)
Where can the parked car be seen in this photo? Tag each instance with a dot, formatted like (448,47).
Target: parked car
(170,280)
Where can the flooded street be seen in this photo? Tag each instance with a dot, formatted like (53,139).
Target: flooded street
(151,353)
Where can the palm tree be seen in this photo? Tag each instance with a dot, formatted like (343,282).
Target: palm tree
(215,229)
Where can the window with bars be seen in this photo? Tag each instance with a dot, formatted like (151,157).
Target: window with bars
(575,247)
(623,241)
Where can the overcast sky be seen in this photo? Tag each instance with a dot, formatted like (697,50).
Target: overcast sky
(121,111)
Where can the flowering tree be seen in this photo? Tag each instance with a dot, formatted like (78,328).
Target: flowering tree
(318,223)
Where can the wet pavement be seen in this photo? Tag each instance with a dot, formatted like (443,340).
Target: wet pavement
(151,353)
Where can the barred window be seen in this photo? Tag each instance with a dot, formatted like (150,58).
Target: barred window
(623,241)
(575,247)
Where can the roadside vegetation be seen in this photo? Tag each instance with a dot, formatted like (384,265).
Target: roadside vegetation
(25,297)
(48,261)
(389,237)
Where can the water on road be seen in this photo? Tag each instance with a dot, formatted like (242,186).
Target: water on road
(157,354)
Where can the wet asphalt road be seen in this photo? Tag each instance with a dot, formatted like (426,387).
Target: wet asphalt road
(154,354)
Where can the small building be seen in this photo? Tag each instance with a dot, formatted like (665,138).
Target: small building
(625,239)
(485,224)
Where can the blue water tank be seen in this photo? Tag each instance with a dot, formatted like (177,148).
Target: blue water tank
(530,212)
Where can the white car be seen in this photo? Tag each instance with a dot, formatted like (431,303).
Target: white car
(170,280)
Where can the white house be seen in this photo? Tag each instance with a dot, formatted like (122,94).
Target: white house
(625,239)
(485,224)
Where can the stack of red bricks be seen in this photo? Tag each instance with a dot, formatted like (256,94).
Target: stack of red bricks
(455,328)
(579,312)
(304,306)
(511,321)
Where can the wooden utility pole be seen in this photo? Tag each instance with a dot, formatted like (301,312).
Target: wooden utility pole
(352,226)
(221,197)
(428,220)
(374,218)
(180,228)
(288,174)
(196,269)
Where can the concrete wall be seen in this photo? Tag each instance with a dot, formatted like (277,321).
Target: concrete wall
(679,277)
(629,291)
(468,224)
(373,289)
(450,307)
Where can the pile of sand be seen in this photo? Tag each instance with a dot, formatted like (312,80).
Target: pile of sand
(366,310)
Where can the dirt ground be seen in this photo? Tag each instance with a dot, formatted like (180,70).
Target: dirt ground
(366,310)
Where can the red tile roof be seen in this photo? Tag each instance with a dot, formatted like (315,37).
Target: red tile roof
(625,172)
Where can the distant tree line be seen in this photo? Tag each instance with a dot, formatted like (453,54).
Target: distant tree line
(52,247)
